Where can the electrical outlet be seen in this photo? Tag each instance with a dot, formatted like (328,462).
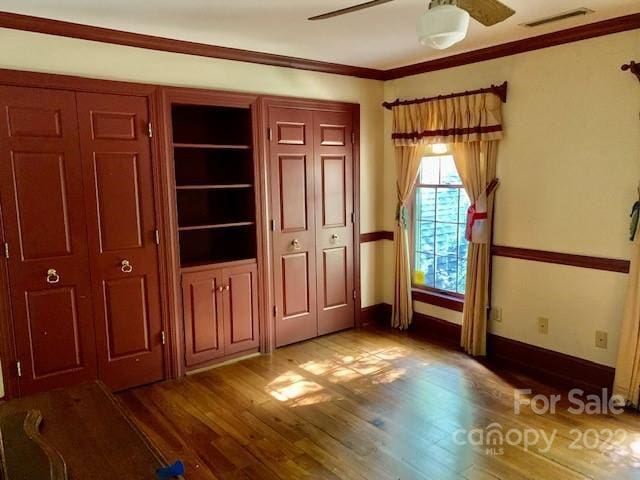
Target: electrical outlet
(543,325)
(601,339)
(495,315)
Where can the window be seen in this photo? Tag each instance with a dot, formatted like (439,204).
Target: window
(440,215)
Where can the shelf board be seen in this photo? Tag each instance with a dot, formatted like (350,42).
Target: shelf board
(212,146)
(212,264)
(215,225)
(214,186)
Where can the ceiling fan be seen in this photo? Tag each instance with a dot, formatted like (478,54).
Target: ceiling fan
(446,21)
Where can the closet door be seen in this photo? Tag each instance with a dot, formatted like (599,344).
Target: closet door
(118,179)
(333,160)
(44,219)
(292,210)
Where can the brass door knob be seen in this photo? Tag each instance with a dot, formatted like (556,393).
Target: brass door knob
(52,276)
(126,266)
(295,244)
(334,238)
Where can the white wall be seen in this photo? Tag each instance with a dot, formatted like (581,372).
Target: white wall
(569,167)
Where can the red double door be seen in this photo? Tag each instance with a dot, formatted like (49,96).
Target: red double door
(79,223)
(311,176)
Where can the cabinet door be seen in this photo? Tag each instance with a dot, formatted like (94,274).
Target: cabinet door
(202,313)
(240,301)
(333,155)
(121,222)
(292,213)
(44,219)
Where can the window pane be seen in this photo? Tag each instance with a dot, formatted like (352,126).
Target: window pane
(425,237)
(426,204)
(464,205)
(448,173)
(447,273)
(447,205)
(429,168)
(463,245)
(446,238)
(426,264)
(462,273)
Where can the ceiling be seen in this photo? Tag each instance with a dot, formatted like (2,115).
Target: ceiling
(381,37)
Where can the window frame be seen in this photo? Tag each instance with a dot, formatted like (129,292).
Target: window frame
(424,293)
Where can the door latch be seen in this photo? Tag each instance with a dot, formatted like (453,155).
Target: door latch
(19,368)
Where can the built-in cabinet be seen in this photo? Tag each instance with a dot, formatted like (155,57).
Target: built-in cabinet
(152,230)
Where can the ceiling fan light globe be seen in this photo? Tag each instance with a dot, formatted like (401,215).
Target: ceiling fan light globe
(443,26)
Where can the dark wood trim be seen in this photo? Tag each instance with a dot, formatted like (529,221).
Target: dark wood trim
(582,261)
(439,299)
(375,236)
(379,314)
(554,368)
(583,32)
(8,356)
(498,90)
(107,35)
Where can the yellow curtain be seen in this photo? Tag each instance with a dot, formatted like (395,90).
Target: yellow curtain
(627,380)
(476,165)
(473,123)
(407,167)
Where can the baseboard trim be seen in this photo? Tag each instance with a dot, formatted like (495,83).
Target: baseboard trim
(549,367)
(379,314)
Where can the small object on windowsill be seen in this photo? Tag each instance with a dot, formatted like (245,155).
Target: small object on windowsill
(171,471)
(633,67)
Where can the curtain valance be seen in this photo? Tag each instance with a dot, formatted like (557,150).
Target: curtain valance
(457,118)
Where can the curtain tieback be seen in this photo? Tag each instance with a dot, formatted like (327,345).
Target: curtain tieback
(477,216)
(402,215)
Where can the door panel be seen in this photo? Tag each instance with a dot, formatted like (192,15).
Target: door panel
(203,328)
(292,197)
(41,191)
(240,308)
(116,161)
(333,152)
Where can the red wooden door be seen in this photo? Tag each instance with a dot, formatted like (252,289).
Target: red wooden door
(333,160)
(44,219)
(240,302)
(202,303)
(118,179)
(292,207)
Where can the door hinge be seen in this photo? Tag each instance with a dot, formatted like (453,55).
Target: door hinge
(353,138)
(270,134)
(275,311)
(354,294)
(273,225)
(19,368)
(163,338)
(150,130)
(157,236)
(6,250)
(353,217)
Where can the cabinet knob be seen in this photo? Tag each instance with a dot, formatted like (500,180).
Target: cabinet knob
(220,288)
(226,287)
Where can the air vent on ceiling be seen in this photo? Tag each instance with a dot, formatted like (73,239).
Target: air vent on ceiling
(556,18)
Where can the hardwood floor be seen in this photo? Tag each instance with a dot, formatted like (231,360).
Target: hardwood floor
(373,405)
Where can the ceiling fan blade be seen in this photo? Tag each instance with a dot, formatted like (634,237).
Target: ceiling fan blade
(355,8)
(487,12)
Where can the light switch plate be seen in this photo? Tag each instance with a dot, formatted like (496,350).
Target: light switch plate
(543,325)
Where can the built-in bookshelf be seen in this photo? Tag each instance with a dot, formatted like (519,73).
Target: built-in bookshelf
(213,157)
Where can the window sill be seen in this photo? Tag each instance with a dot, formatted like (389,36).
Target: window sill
(439,299)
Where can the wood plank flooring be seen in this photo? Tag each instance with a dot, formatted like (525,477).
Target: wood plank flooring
(374,405)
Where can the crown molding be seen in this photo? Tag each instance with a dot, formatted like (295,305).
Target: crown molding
(106,35)
(575,34)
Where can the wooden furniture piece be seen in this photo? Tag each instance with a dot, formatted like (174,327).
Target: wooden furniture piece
(24,453)
(311,163)
(92,432)
(79,219)
(212,144)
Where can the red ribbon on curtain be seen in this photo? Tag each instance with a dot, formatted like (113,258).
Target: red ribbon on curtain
(473,216)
